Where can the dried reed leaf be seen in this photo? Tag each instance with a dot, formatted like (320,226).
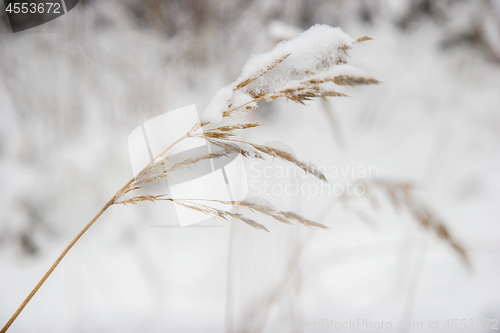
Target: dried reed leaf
(140,198)
(345,47)
(302,220)
(207,210)
(270,211)
(236,149)
(248,221)
(218,135)
(271,151)
(274,152)
(363,39)
(229,128)
(285,217)
(333,94)
(347,80)
(155,176)
(192,160)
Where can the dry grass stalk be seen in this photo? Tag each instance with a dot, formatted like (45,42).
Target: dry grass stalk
(307,167)
(285,217)
(249,90)
(196,205)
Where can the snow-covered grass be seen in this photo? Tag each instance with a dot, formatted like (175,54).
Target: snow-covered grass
(313,64)
(434,121)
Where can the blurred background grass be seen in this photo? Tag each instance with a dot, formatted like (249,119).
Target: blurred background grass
(73,89)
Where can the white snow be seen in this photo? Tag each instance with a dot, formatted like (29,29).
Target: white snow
(309,54)
(315,48)
(241,98)
(218,104)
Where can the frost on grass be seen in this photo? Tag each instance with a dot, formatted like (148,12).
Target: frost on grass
(311,65)
(314,64)
(281,146)
(221,101)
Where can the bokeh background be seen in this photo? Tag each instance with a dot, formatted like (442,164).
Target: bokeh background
(73,89)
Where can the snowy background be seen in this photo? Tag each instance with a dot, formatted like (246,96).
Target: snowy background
(73,89)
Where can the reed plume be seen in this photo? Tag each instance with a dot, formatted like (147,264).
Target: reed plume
(313,65)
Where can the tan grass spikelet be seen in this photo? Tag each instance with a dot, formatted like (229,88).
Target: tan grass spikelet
(363,39)
(211,211)
(272,152)
(347,80)
(302,92)
(236,148)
